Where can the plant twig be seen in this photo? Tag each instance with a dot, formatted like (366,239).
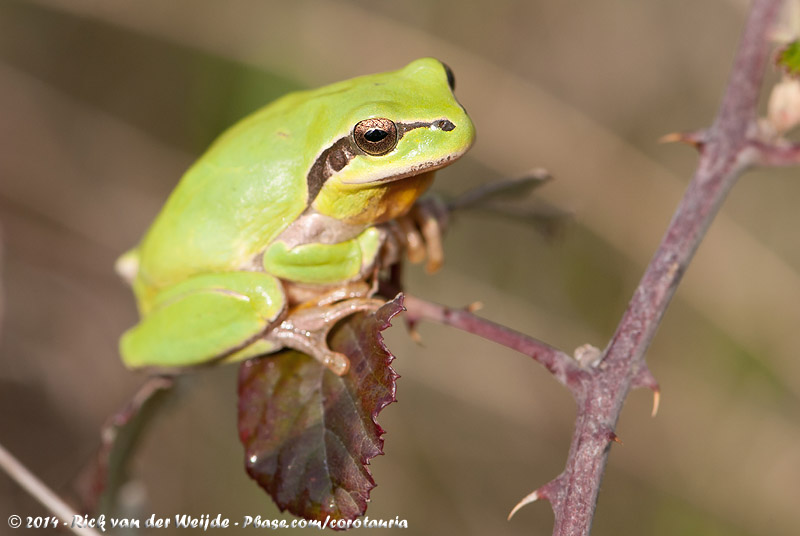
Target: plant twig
(562,366)
(25,478)
(41,492)
(516,187)
(497,198)
(779,154)
(97,484)
(725,153)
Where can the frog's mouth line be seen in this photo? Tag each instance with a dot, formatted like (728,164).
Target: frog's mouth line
(413,171)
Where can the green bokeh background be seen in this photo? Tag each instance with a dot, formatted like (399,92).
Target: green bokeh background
(103,104)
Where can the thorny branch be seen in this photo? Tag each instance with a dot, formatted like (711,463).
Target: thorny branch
(727,148)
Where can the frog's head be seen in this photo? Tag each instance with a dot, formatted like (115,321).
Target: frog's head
(391,132)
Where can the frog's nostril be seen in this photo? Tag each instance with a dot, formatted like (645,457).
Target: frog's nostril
(445,125)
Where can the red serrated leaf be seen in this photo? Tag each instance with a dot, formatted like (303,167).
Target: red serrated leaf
(309,434)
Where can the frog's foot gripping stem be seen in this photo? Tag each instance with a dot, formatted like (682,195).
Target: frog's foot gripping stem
(307,329)
(419,233)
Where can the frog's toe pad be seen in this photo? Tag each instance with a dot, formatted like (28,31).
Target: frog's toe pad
(337,363)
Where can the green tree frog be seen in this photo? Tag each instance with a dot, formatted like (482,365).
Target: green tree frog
(275,233)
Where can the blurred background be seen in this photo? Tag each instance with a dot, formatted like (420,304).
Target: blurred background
(103,104)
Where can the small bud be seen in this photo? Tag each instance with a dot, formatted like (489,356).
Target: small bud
(588,355)
(783,110)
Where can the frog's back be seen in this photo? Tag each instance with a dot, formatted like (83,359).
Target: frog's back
(232,202)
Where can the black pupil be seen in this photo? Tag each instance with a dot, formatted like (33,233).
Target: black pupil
(375,135)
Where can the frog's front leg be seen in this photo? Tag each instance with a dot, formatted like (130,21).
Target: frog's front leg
(418,234)
(206,318)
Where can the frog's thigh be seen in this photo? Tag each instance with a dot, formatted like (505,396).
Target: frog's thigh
(203,318)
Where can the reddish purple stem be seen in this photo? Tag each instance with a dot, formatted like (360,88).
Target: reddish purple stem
(725,154)
(562,366)
(726,151)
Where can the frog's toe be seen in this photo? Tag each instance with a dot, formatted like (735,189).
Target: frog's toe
(307,330)
(336,362)
(419,234)
(431,219)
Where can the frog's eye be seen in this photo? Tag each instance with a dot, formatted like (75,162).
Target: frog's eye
(451,78)
(375,136)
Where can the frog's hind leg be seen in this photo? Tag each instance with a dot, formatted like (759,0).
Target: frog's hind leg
(205,318)
(306,329)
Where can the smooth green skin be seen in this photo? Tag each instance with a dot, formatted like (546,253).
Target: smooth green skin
(207,272)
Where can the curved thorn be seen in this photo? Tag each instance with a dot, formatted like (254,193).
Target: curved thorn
(532,497)
(644,378)
(656,401)
(474,307)
(696,139)
(413,332)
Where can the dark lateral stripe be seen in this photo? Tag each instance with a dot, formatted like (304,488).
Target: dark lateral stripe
(338,155)
(332,159)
